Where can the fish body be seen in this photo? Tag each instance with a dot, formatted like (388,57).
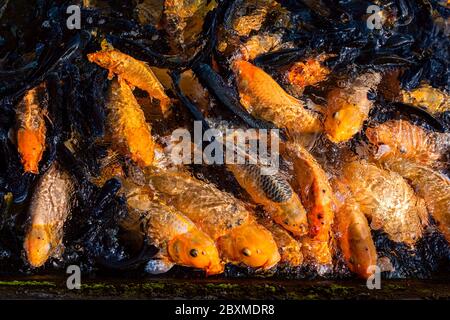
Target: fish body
(137,73)
(31,129)
(126,124)
(178,238)
(401,139)
(311,183)
(431,185)
(387,201)
(49,209)
(348,107)
(265,99)
(225,219)
(354,235)
(275,194)
(427,97)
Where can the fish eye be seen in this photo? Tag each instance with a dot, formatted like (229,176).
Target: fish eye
(246,252)
(335,115)
(193,253)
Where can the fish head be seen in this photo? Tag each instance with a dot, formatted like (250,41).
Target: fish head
(294,217)
(195,249)
(342,124)
(38,245)
(108,59)
(252,245)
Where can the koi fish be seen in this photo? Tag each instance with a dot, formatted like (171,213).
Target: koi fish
(137,73)
(265,99)
(307,73)
(31,128)
(311,182)
(238,237)
(275,194)
(348,107)
(427,97)
(431,185)
(49,210)
(353,234)
(179,240)
(387,201)
(126,124)
(401,139)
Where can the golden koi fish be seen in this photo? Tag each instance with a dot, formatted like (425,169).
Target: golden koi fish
(348,107)
(317,195)
(49,209)
(238,237)
(401,139)
(126,124)
(137,73)
(264,98)
(387,201)
(179,240)
(31,128)
(427,97)
(431,185)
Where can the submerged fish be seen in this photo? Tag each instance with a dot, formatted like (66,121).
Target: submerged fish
(387,200)
(307,73)
(353,234)
(275,194)
(135,72)
(265,99)
(177,237)
(225,219)
(348,107)
(49,210)
(311,182)
(431,185)
(31,128)
(401,139)
(126,124)
(427,97)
